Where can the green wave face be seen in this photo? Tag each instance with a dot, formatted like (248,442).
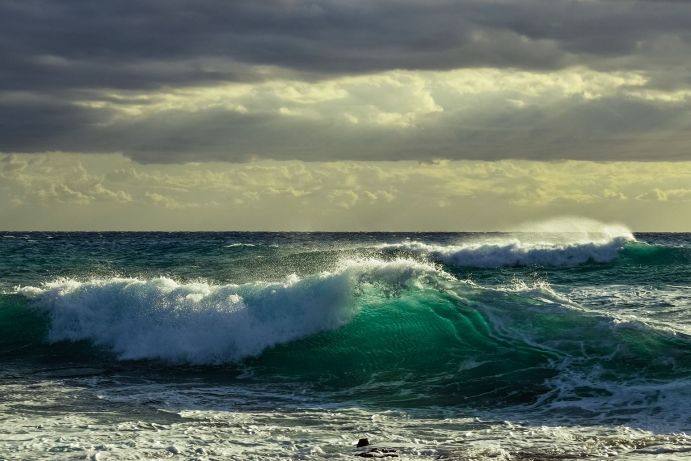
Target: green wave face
(20,326)
(24,344)
(421,347)
(477,347)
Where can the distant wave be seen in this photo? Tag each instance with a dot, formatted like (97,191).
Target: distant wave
(564,241)
(515,251)
(243,245)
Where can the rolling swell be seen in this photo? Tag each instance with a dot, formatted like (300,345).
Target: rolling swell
(642,253)
(400,326)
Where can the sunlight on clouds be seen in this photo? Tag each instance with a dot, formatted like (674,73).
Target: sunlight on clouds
(397,98)
(677,96)
(583,82)
(474,113)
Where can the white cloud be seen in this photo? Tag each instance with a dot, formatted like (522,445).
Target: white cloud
(664,195)
(55,178)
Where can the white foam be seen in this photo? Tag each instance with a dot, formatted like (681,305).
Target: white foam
(210,427)
(199,322)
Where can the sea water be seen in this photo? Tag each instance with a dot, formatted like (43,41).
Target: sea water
(537,344)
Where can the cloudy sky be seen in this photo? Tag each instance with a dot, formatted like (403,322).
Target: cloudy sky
(343,114)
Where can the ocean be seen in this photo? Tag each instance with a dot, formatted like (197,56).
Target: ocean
(534,345)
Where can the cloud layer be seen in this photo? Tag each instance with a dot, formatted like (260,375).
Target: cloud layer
(181,81)
(69,191)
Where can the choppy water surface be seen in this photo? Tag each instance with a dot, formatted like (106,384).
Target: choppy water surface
(532,345)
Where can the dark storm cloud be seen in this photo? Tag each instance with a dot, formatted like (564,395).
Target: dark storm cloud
(144,43)
(42,124)
(52,53)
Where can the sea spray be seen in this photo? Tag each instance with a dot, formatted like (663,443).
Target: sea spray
(574,228)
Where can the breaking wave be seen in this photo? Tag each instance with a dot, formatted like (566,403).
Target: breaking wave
(562,242)
(203,323)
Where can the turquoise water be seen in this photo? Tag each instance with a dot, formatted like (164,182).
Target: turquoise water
(418,340)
